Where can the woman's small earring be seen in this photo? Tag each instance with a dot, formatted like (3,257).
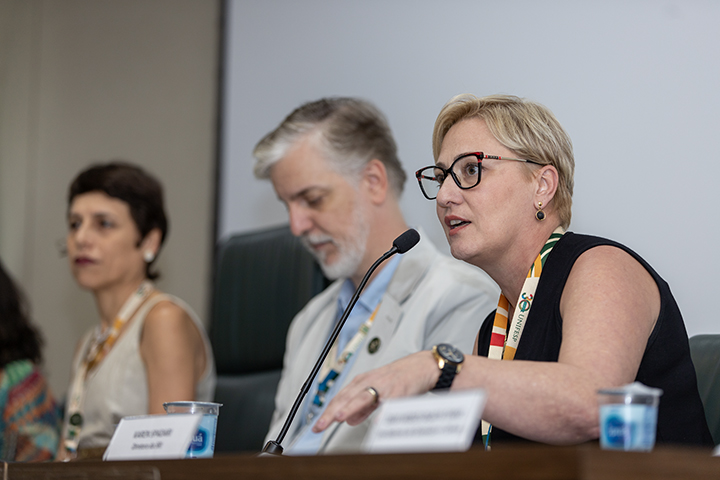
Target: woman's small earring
(540,215)
(148,256)
(61,246)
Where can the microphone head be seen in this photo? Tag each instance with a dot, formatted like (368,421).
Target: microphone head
(407,240)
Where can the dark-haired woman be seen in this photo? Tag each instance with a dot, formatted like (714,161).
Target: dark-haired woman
(149,347)
(30,424)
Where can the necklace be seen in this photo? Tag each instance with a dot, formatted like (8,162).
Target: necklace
(95,352)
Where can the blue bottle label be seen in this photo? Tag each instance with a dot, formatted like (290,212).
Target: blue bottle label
(199,441)
(203,442)
(628,427)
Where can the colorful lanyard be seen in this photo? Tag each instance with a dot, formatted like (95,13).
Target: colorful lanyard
(334,364)
(96,351)
(504,342)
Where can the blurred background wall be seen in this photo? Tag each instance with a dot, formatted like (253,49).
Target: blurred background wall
(634,83)
(94,80)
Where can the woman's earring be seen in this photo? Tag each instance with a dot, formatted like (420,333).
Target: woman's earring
(61,245)
(148,256)
(540,215)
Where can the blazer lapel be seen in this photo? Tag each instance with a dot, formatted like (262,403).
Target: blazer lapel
(308,350)
(410,272)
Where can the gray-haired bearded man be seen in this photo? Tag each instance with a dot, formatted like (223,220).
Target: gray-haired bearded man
(334,165)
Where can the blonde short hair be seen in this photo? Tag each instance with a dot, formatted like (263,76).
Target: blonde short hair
(527,128)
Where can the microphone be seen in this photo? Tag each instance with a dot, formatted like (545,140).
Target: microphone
(404,242)
(401,244)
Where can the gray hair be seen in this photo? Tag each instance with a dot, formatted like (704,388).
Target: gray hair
(351,133)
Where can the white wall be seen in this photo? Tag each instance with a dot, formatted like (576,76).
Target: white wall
(635,83)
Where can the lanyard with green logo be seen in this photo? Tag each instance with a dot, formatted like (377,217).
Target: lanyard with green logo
(504,341)
(335,364)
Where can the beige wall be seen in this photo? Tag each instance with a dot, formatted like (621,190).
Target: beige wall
(85,80)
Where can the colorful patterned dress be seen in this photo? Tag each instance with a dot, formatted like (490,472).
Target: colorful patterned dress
(30,422)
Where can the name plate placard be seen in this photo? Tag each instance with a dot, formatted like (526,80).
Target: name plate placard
(152,437)
(434,422)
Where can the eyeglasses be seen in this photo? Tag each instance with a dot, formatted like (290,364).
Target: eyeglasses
(465,170)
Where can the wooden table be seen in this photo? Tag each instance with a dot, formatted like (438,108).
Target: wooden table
(516,462)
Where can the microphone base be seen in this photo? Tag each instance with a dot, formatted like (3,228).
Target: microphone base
(272,448)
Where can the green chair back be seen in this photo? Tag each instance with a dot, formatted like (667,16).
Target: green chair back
(262,279)
(705,352)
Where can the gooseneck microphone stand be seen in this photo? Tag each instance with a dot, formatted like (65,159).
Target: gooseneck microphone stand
(402,244)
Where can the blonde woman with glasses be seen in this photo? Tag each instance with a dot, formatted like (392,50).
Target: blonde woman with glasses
(576,314)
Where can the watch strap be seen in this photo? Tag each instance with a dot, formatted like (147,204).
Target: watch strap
(447,375)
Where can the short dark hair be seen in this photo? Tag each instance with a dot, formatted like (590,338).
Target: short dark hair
(127,182)
(19,340)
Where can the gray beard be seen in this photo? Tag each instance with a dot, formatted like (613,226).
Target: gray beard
(351,249)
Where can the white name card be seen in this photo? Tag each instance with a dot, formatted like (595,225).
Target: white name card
(434,422)
(152,437)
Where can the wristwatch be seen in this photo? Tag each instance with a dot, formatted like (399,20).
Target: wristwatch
(450,361)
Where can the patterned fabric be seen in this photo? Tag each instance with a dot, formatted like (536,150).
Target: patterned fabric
(30,423)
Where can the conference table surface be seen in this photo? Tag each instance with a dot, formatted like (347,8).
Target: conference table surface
(506,462)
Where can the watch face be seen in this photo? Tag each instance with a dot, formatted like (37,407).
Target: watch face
(450,353)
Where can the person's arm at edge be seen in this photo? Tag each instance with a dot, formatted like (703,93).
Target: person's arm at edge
(173,352)
(609,307)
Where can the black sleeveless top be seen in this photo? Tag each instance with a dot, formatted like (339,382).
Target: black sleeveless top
(666,363)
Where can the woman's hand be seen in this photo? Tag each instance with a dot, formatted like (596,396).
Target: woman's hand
(411,375)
